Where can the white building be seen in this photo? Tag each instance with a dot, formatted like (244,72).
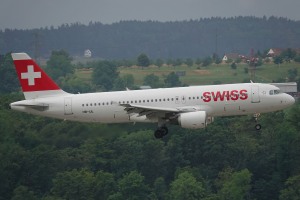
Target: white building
(230,56)
(87,53)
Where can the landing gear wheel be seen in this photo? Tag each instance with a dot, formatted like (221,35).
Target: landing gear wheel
(161,132)
(164,130)
(158,134)
(257,127)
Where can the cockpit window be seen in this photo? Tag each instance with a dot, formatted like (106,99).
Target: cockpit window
(274,92)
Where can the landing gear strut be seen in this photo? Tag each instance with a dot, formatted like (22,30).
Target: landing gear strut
(161,132)
(257,126)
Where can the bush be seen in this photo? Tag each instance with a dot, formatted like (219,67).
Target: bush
(233,65)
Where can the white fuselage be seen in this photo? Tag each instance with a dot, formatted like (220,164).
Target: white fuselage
(109,107)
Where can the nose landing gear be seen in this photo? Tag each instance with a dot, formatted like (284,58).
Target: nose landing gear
(257,126)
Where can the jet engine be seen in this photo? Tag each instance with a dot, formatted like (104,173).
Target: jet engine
(194,120)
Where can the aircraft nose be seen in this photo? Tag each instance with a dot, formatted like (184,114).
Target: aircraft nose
(290,100)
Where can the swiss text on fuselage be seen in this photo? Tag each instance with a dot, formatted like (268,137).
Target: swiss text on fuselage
(228,95)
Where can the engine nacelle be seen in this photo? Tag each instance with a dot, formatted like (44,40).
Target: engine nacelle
(193,120)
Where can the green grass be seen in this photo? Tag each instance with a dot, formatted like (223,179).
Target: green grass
(85,75)
(221,73)
(194,76)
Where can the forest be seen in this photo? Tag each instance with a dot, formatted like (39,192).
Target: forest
(181,39)
(43,158)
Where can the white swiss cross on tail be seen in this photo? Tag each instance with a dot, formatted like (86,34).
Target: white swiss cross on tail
(34,81)
(30,75)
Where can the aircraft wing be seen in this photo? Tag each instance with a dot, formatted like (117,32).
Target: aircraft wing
(152,110)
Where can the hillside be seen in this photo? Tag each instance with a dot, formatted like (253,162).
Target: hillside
(182,39)
(212,74)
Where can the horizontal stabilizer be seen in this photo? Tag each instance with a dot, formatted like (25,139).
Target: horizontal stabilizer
(36,106)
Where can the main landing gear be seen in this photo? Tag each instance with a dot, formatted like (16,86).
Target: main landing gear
(257,126)
(161,132)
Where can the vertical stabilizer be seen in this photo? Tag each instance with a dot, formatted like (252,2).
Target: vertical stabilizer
(34,81)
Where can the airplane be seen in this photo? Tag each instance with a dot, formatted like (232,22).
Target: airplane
(191,107)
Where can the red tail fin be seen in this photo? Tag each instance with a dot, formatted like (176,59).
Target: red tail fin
(34,81)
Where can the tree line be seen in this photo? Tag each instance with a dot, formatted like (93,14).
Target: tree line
(181,39)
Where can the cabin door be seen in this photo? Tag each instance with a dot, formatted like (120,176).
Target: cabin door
(255,94)
(68,106)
